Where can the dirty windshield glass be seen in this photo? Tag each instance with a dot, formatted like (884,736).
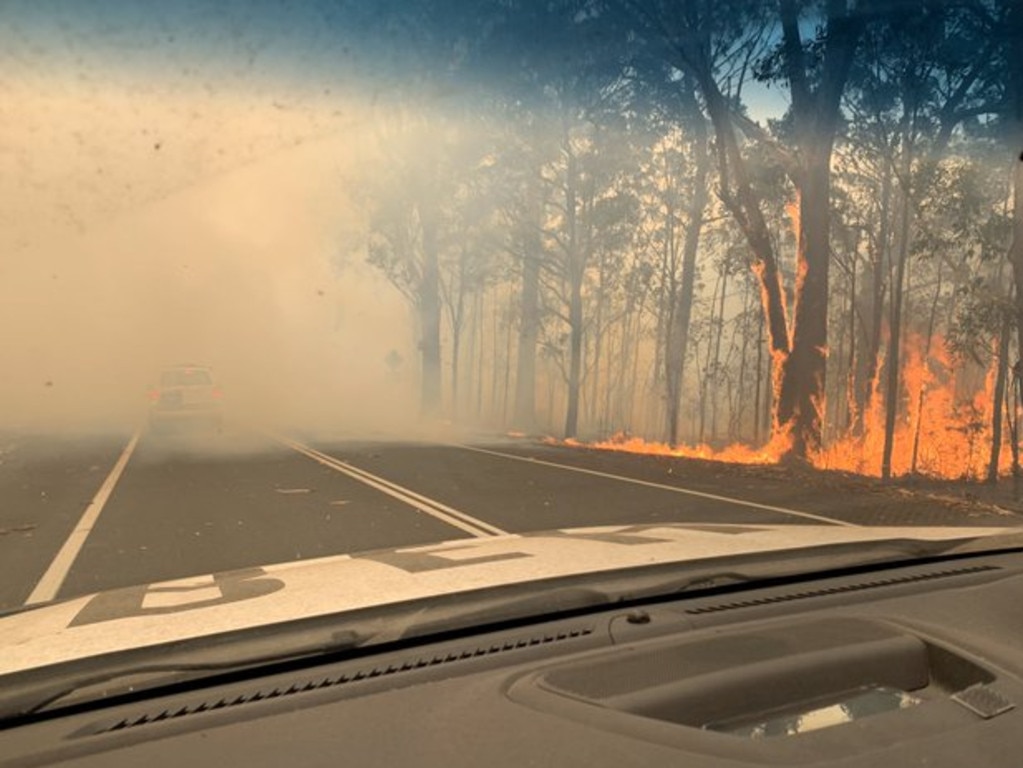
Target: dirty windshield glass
(456,271)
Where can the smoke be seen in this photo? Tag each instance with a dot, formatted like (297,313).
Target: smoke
(256,271)
(187,185)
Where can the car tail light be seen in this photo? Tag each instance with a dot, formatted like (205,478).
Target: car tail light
(153,395)
(217,393)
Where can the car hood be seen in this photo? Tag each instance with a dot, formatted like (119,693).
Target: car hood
(200,606)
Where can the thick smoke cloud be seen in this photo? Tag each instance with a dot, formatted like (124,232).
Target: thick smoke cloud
(255,269)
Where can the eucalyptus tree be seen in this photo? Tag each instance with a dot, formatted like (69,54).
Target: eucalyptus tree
(721,45)
(926,68)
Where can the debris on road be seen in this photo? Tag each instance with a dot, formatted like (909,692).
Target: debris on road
(25,528)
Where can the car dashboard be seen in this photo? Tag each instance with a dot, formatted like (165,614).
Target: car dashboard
(917,664)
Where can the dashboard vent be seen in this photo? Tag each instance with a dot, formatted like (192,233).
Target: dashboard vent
(840,590)
(333,681)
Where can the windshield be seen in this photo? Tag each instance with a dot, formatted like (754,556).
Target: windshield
(475,271)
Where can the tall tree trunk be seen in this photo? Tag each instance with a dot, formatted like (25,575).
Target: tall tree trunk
(741,200)
(575,321)
(611,382)
(529,327)
(931,320)
(470,359)
(495,367)
(816,85)
(430,315)
(816,114)
(633,380)
(892,359)
(1016,248)
(456,343)
(509,338)
(757,416)
(481,346)
(575,307)
(804,371)
(707,377)
(682,312)
(719,331)
(457,317)
(1002,376)
(851,359)
(739,412)
(1014,119)
(598,340)
(870,363)
(1012,413)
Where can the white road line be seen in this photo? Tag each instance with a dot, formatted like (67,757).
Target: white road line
(53,579)
(662,486)
(442,512)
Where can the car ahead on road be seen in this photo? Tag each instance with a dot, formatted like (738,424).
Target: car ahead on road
(672,644)
(186,397)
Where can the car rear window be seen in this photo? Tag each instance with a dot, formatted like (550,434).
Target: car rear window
(183,377)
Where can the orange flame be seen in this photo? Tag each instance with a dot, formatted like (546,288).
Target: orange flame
(736,453)
(951,430)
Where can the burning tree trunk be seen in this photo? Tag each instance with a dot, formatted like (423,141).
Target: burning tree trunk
(816,78)
(803,371)
(799,352)
(816,112)
(736,192)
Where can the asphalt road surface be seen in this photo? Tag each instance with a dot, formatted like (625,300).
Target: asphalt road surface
(88,513)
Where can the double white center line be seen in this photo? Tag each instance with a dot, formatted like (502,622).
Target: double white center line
(442,512)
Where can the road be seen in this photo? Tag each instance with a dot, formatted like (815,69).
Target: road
(87,513)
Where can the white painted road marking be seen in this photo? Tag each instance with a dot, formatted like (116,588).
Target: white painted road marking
(53,579)
(442,512)
(662,486)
